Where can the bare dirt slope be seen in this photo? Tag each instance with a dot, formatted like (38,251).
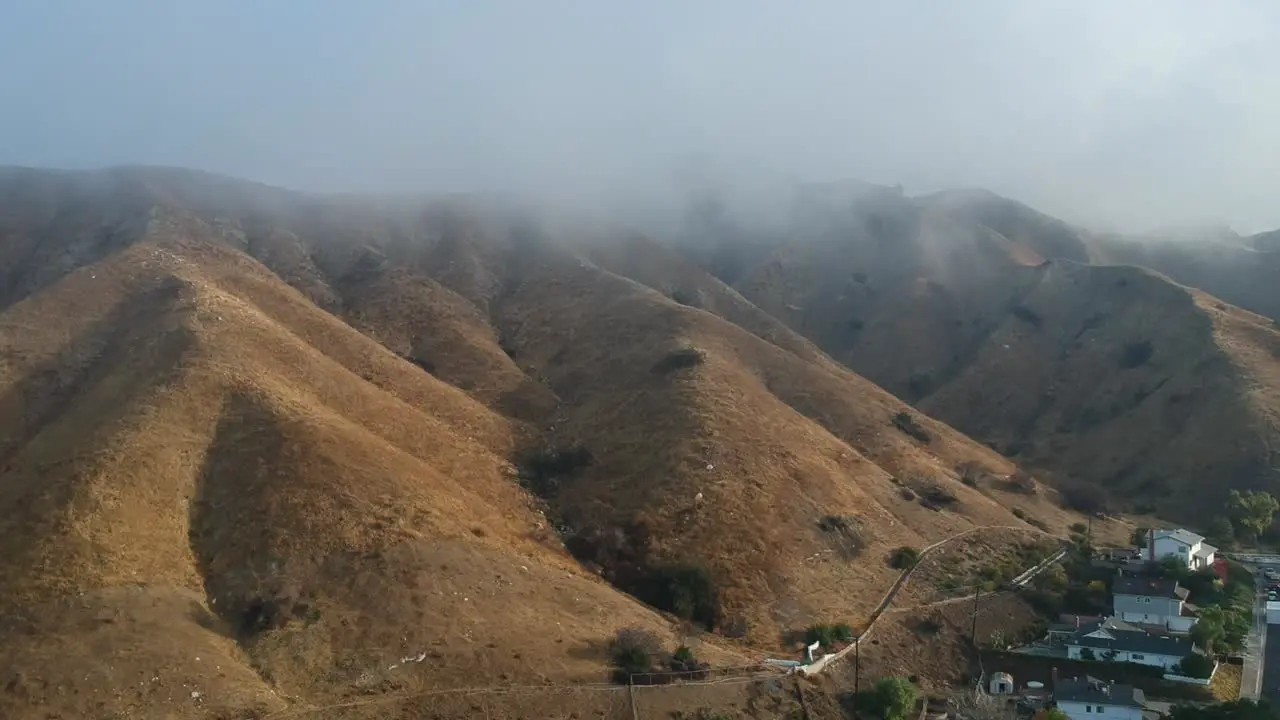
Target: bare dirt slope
(262,450)
(962,304)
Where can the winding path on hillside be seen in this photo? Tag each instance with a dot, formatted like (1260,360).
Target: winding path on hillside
(887,601)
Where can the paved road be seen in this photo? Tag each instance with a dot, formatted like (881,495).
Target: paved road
(1271,665)
(1256,646)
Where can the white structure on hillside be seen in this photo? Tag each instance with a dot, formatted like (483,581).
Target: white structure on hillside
(1185,545)
(1089,698)
(1001,683)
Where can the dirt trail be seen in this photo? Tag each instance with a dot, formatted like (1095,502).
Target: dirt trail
(887,601)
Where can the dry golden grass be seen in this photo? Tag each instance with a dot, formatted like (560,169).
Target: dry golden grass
(1105,375)
(894,648)
(197,459)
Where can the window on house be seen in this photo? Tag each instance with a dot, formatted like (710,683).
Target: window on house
(1137,657)
(1088,708)
(1100,708)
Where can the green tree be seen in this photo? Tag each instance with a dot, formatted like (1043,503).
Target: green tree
(1172,567)
(1139,537)
(904,557)
(1052,714)
(1054,579)
(1195,665)
(633,650)
(895,698)
(1209,630)
(1252,511)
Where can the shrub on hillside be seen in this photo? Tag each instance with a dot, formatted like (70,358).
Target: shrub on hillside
(632,652)
(684,661)
(909,425)
(1135,354)
(933,495)
(423,363)
(1027,315)
(828,634)
(904,557)
(1021,482)
(686,591)
(907,493)
(1020,513)
(542,471)
(844,532)
(679,359)
(1080,528)
(894,698)
(1084,498)
(684,298)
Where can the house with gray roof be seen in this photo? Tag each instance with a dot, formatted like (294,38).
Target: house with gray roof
(1188,547)
(1089,698)
(1117,641)
(1153,602)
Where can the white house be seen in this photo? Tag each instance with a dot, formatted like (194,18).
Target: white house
(1151,601)
(1113,640)
(1185,545)
(1089,698)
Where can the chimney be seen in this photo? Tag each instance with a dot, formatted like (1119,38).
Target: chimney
(1053,677)
(1077,622)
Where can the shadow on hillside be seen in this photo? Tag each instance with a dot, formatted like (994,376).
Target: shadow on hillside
(230,527)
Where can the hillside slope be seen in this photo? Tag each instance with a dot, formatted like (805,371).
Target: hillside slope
(962,304)
(1241,275)
(259,447)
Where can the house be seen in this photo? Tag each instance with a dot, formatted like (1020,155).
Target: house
(1152,601)
(1089,698)
(1118,641)
(1185,545)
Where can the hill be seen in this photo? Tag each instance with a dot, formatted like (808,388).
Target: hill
(1014,328)
(1242,273)
(264,450)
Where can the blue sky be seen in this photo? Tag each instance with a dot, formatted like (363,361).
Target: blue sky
(1127,114)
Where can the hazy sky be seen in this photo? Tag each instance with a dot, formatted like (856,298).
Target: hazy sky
(1107,111)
